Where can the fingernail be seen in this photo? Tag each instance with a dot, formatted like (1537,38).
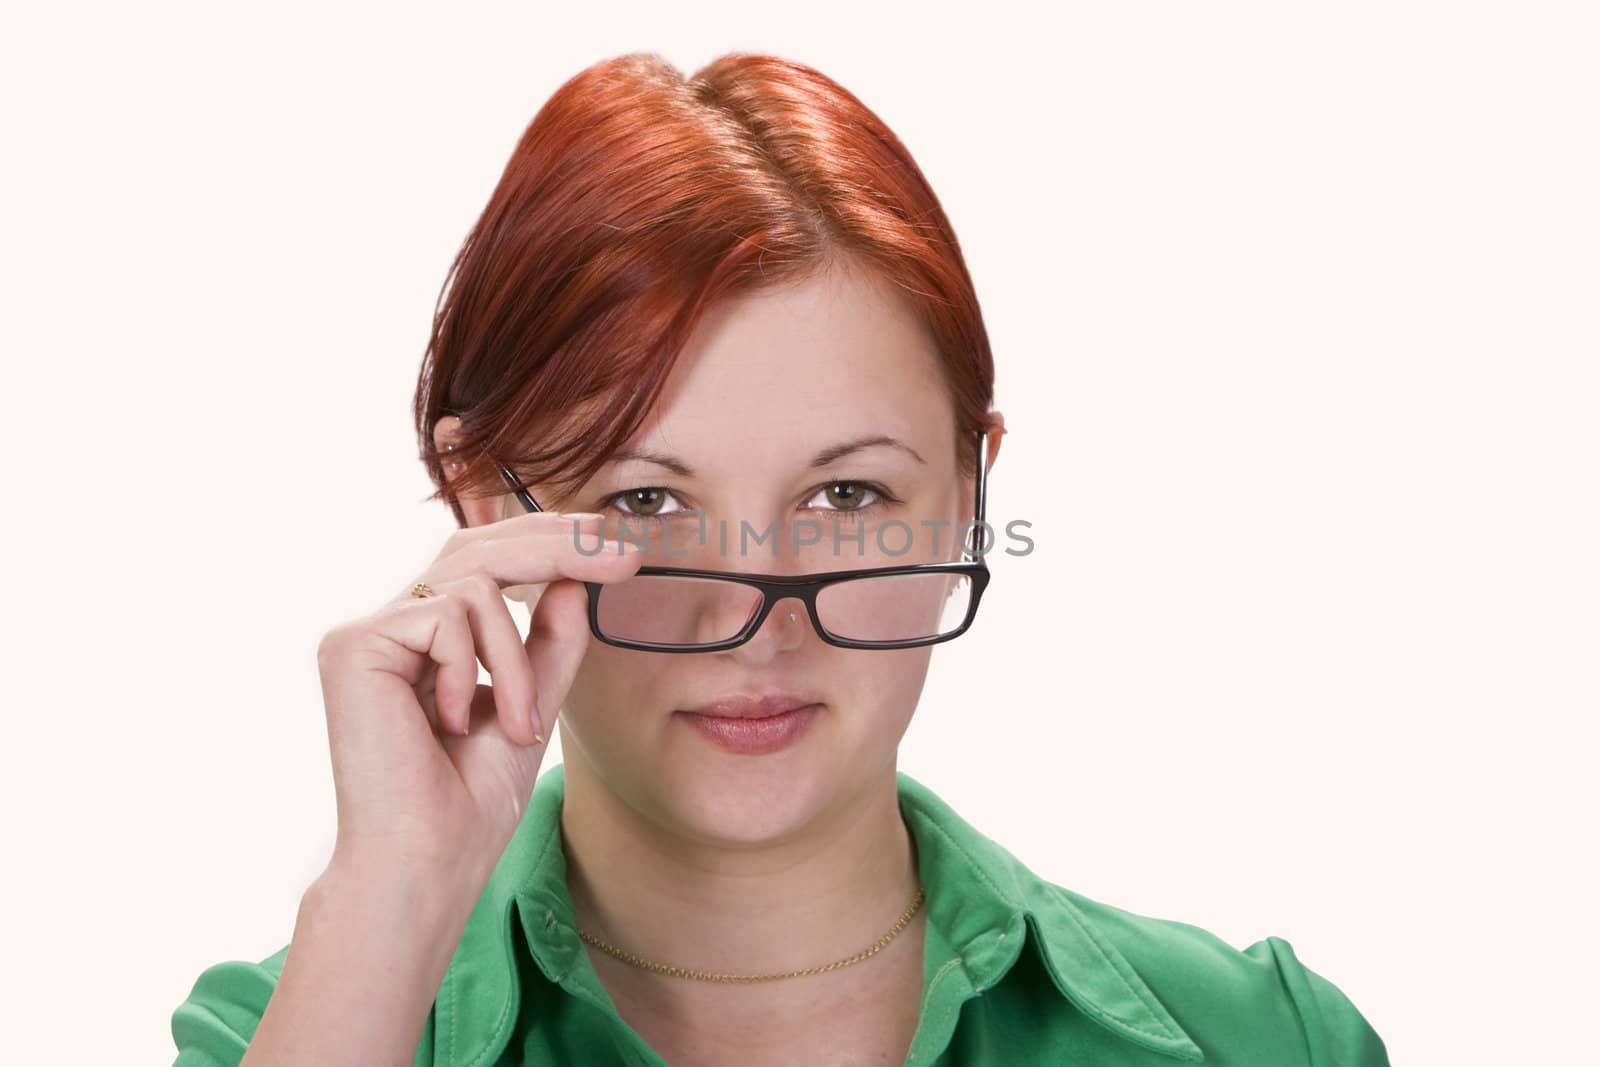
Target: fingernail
(533,720)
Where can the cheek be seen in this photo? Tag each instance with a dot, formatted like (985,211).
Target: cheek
(618,684)
(896,679)
(892,683)
(875,695)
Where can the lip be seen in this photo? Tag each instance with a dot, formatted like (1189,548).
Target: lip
(754,735)
(753,706)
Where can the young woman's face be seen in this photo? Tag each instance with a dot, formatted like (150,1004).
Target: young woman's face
(769,381)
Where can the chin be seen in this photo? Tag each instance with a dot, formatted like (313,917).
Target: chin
(751,800)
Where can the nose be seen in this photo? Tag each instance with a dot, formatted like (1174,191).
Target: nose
(785,628)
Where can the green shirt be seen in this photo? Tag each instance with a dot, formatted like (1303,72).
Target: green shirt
(1017,971)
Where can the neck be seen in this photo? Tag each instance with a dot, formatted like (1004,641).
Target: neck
(826,892)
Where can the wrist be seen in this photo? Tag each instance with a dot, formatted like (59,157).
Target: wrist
(362,922)
(424,897)
(423,879)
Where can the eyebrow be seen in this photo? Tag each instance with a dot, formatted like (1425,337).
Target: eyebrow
(821,459)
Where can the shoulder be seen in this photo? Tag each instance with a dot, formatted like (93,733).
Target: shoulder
(217,1019)
(1237,998)
(1170,987)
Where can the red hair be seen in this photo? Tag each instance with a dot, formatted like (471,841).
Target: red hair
(636,198)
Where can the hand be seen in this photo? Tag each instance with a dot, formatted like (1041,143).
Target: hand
(431,770)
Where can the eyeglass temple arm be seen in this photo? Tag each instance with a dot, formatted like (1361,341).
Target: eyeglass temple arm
(517,487)
(975,538)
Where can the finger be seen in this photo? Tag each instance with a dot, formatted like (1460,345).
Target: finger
(426,697)
(532,524)
(587,523)
(581,529)
(538,558)
(405,655)
(558,638)
(440,628)
(500,649)
(497,771)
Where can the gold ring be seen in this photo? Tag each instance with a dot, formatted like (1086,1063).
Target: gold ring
(421,589)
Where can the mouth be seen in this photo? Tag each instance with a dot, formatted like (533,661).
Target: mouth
(755,725)
(753,706)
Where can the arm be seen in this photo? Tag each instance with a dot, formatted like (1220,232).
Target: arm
(355,986)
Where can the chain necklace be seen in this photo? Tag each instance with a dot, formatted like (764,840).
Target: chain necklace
(705,976)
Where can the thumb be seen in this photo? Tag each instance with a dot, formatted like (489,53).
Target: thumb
(558,638)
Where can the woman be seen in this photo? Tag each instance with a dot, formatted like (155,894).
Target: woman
(721,326)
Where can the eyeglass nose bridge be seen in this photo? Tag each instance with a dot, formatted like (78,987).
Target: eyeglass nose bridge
(773,588)
(770,599)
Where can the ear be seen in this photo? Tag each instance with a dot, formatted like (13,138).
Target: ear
(997,430)
(479,511)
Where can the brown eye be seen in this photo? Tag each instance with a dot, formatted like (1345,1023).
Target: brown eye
(644,501)
(849,496)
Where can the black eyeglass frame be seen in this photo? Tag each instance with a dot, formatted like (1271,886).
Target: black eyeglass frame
(805,587)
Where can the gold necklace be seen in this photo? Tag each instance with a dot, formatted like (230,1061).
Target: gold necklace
(704,976)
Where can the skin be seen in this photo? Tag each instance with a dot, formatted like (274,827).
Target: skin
(692,856)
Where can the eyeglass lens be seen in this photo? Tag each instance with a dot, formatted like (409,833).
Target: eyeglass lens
(681,611)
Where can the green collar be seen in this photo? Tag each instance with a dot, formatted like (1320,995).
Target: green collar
(979,897)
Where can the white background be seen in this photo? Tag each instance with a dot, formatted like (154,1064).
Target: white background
(1296,326)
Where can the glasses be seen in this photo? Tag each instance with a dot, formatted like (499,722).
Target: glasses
(683,609)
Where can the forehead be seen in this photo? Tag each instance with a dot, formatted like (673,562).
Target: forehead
(788,369)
